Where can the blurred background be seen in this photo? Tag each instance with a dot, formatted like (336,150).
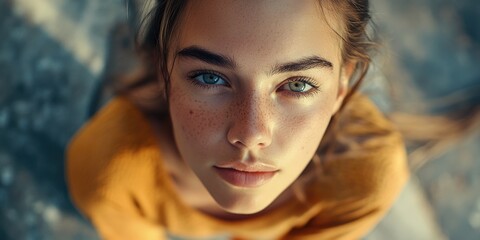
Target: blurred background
(57,57)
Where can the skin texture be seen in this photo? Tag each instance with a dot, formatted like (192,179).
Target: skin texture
(252,115)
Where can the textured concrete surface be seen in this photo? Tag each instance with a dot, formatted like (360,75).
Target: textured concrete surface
(432,66)
(53,55)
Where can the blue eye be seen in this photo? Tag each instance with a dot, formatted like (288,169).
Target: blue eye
(209,79)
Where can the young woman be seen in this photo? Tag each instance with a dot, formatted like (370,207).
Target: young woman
(262,136)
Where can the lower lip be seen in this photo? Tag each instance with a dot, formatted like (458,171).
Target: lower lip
(244,179)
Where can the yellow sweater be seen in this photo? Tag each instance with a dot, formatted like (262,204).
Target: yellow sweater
(117,179)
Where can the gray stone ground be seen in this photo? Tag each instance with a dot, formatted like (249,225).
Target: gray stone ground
(54,53)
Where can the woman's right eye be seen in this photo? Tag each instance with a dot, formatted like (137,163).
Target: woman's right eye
(209,79)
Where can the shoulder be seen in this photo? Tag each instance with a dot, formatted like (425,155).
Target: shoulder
(113,156)
(362,119)
(377,147)
(362,169)
(366,155)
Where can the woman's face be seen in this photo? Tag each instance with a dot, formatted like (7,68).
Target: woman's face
(253,87)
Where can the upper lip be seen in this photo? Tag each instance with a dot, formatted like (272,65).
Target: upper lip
(248,167)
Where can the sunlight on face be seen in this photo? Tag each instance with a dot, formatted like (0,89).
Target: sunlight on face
(253,88)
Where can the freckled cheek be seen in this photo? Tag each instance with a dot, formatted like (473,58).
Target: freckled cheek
(303,132)
(196,120)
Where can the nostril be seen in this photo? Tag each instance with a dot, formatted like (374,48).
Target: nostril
(240,144)
(249,141)
(252,130)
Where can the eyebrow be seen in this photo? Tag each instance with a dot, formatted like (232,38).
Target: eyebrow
(207,56)
(303,64)
(220,60)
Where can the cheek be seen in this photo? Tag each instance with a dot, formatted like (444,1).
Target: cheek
(195,122)
(307,131)
(302,131)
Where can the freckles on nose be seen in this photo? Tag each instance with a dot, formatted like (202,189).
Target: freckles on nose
(251,112)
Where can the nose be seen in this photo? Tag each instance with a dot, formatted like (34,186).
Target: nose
(252,122)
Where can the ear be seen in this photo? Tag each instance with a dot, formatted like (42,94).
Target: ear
(346,72)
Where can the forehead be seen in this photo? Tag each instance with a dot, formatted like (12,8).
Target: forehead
(262,31)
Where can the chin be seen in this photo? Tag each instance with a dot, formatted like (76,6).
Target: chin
(240,200)
(243,203)
(245,210)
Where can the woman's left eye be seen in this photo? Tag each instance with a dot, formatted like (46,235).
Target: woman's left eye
(298,86)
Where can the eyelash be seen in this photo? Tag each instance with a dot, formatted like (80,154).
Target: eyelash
(193,75)
(314,90)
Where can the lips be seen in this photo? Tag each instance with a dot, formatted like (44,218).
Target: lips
(248,177)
